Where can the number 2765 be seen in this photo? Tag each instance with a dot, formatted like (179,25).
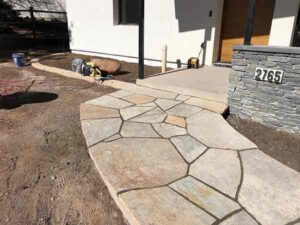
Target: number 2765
(270,75)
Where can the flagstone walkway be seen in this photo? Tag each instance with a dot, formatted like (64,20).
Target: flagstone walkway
(170,159)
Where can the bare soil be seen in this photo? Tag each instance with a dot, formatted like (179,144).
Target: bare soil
(128,73)
(282,146)
(46,174)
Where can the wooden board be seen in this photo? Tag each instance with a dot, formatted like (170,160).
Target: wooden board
(234,22)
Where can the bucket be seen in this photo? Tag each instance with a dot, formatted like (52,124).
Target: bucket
(19,59)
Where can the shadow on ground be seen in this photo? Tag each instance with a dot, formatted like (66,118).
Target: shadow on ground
(21,98)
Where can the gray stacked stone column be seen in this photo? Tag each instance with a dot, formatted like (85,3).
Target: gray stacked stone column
(274,105)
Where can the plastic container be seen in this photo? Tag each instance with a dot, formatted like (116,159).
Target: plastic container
(77,65)
(19,59)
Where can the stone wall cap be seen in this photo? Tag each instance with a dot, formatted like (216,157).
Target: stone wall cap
(270,49)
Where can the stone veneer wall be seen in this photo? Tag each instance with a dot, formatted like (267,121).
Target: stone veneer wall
(274,105)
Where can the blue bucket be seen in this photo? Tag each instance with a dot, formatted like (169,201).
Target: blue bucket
(19,59)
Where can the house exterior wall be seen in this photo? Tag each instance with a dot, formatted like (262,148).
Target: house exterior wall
(181,25)
(284,20)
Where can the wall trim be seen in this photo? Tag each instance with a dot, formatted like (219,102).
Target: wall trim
(271,49)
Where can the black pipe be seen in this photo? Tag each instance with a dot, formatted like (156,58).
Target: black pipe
(250,21)
(141,38)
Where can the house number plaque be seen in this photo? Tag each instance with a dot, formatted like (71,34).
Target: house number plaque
(269,75)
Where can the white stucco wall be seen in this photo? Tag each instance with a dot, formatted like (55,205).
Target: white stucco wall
(182,25)
(283,24)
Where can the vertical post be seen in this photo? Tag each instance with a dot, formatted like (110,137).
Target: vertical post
(164,59)
(33,21)
(141,38)
(250,21)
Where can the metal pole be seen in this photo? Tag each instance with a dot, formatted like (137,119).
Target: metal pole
(141,38)
(33,22)
(250,21)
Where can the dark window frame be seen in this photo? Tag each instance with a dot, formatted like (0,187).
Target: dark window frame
(119,8)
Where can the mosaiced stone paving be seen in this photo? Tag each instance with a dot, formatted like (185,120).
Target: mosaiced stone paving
(170,159)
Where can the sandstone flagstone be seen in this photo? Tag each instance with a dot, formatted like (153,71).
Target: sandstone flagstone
(182,97)
(153,116)
(163,206)
(217,107)
(220,169)
(113,138)
(184,110)
(189,148)
(149,104)
(120,94)
(137,163)
(131,129)
(100,129)
(205,197)
(168,130)
(97,112)
(212,130)
(139,99)
(166,104)
(241,218)
(176,120)
(270,190)
(133,111)
(110,102)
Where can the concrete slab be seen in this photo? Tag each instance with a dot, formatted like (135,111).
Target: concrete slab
(209,82)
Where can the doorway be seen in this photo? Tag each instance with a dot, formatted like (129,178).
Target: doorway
(234,22)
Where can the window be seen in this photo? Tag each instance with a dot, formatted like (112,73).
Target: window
(126,12)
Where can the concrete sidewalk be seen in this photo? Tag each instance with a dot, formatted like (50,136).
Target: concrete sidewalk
(209,82)
(168,161)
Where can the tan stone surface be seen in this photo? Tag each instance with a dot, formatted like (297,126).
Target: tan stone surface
(153,116)
(270,190)
(184,110)
(97,130)
(97,112)
(134,111)
(241,218)
(120,94)
(214,106)
(213,130)
(167,130)
(131,129)
(205,197)
(136,163)
(188,147)
(166,104)
(139,99)
(220,169)
(163,206)
(176,120)
(110,102)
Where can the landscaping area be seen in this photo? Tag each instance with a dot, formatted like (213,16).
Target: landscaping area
(46,174)
(128,72)
(282,146)
(48,177)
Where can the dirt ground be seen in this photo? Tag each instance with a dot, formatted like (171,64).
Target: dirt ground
(128,72)
(46,174)
(282,146)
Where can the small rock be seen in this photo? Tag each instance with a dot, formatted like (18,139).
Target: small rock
(53,177)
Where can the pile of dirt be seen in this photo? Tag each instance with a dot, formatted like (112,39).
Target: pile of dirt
(282,146)
(46,174)
(128,73)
